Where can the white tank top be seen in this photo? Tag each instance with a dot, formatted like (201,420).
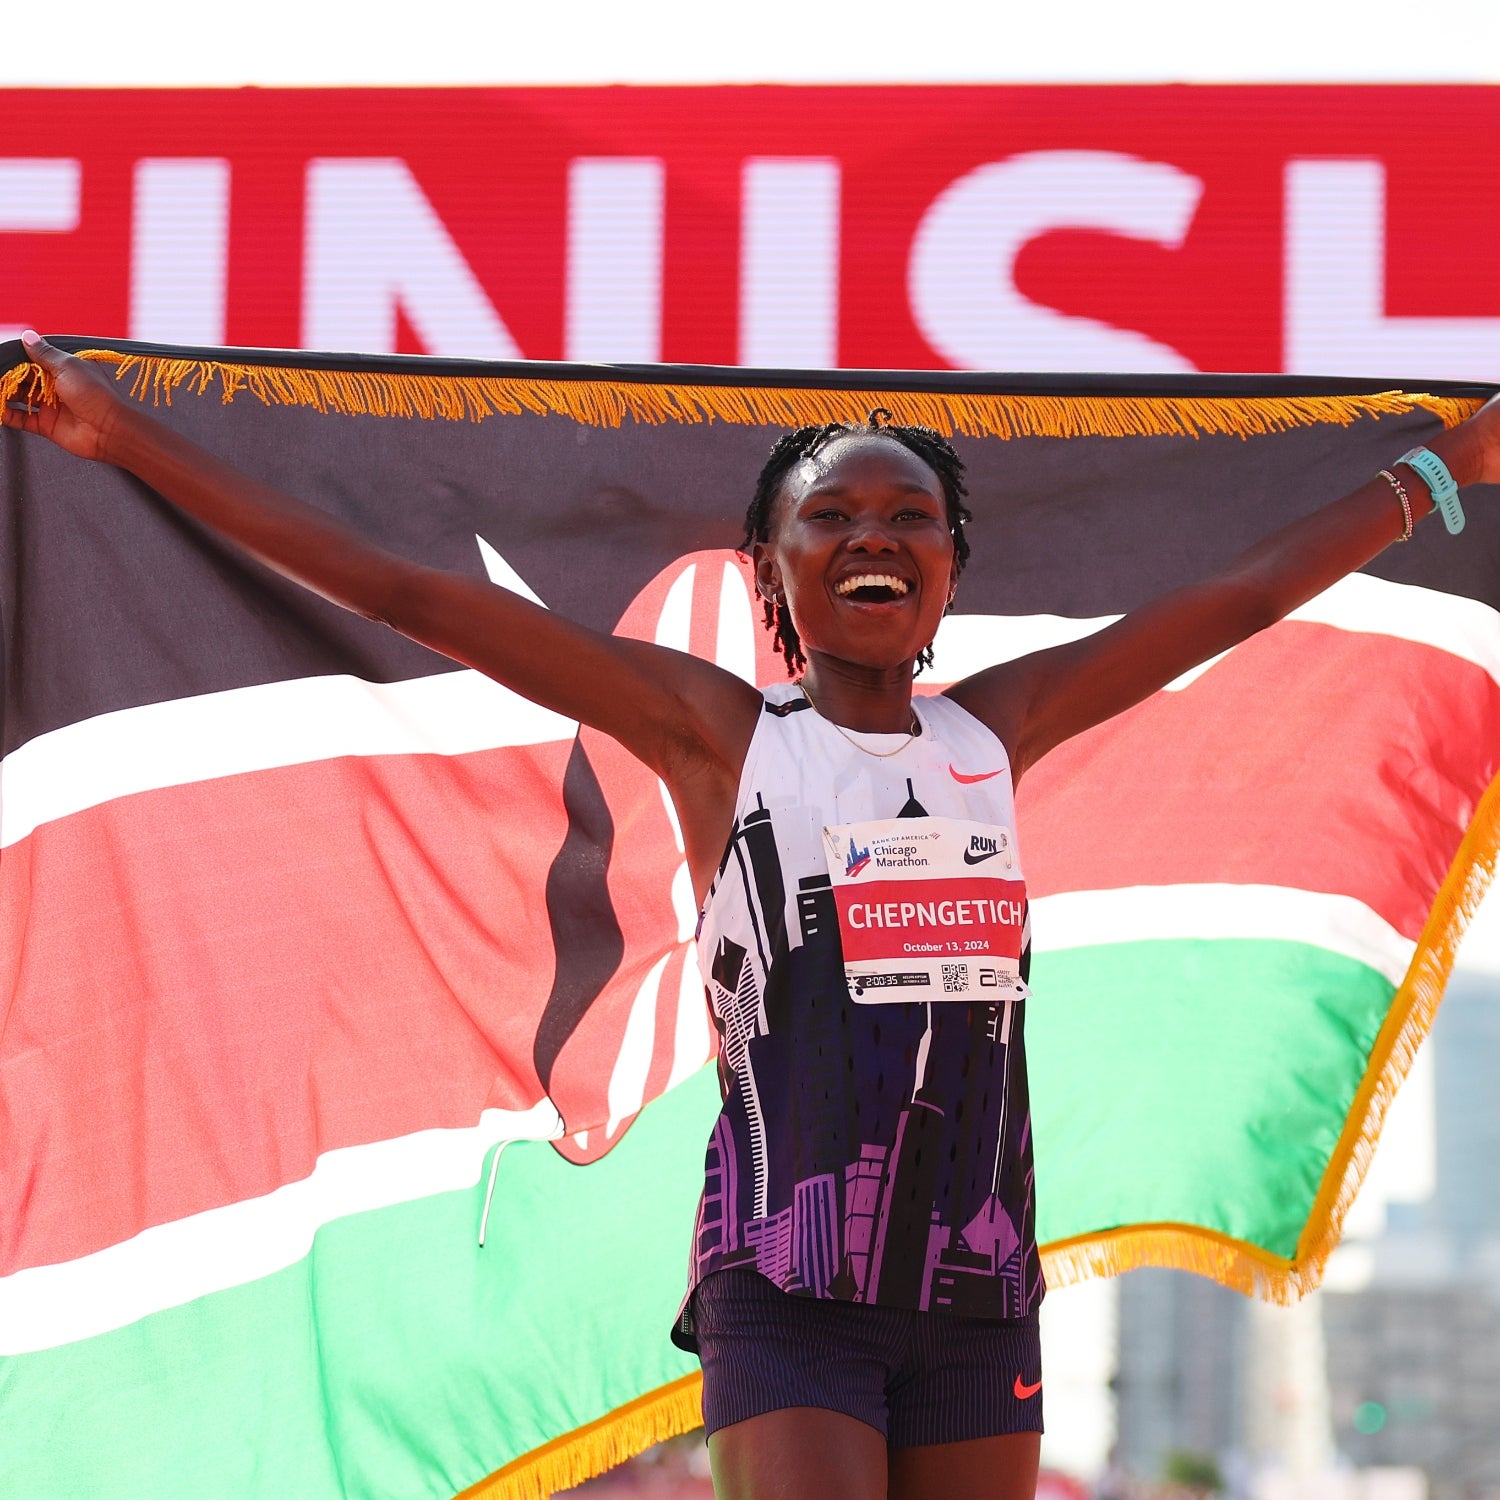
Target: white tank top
(871,1152)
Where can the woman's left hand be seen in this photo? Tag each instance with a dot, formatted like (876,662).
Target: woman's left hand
(83,408)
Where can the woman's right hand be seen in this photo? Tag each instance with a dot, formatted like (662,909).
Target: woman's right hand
(84,408)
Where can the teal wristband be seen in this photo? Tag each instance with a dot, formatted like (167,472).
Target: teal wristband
(1434,474)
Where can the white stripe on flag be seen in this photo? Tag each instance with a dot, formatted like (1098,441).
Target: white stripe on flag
(1136,913)
(167,1265)
(1360,604)
(454,713)
(260,729)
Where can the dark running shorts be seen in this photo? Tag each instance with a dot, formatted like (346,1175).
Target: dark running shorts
(917,1378)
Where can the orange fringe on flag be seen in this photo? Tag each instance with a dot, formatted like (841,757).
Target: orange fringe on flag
(590,1450)
(608,403)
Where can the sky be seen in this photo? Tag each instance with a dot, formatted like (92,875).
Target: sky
(309,42)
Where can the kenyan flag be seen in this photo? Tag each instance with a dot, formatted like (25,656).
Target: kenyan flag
(323,960)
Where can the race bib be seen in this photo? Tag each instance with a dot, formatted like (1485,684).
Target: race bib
(929,909)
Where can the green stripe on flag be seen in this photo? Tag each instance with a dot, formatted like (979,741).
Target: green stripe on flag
(1149,1061)
(398,1358)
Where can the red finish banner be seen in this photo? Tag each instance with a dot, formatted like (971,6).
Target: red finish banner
(1322,230)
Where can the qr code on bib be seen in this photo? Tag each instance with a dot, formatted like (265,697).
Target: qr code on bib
(955,978)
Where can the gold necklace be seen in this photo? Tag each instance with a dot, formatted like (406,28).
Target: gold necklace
(912,733)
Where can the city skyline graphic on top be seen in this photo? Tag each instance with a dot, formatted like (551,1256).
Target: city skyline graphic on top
(867,1153)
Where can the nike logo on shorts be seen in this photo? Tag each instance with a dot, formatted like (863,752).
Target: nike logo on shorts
(1025,1392)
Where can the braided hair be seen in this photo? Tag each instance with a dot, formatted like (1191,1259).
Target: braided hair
(793,447)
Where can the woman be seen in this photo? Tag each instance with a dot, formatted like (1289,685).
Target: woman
(865,1277)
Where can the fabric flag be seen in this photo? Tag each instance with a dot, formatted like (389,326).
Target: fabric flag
(323,960)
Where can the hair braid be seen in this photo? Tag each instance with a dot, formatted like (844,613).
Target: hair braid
(805,442)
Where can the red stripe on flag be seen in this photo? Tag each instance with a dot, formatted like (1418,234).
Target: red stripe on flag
(1310,757)
(214,983)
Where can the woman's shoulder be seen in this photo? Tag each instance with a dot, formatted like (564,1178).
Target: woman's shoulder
(952,720)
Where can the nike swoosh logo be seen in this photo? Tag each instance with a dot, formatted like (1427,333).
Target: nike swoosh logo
(963,780)
(971,858)
(1026,1392)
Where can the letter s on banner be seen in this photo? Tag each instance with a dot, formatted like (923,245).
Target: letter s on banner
(961,277)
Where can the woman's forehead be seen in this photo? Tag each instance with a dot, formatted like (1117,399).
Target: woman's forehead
(860,460)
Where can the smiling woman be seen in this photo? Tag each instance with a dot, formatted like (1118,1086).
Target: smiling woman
(931,487)
(864,1267)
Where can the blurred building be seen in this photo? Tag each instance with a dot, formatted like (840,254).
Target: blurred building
(1399,1371)
(1180,1378)
(1414,1356)
(1206,1372)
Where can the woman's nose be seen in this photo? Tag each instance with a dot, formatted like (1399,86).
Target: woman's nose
(871,536)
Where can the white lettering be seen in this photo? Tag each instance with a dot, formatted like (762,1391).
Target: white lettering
(945,913)
(38,195)
(856,917)
(908,911)
(961,278)
(374,244)
(179,250)
(615,213)
(1335,321)
(789,262)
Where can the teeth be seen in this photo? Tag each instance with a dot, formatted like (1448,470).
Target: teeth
(873,581)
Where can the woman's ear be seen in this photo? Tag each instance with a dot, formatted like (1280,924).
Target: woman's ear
(767,575)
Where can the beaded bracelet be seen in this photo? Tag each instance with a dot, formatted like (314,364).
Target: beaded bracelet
(1400,489)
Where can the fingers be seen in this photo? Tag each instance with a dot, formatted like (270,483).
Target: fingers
(41,352)
(21,415)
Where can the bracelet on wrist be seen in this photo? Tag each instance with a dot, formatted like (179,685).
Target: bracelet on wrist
(1408,525)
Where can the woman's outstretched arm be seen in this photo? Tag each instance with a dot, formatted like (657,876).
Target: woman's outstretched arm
(1040,700)
(683,717)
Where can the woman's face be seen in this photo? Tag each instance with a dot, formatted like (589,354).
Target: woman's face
(860,552)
